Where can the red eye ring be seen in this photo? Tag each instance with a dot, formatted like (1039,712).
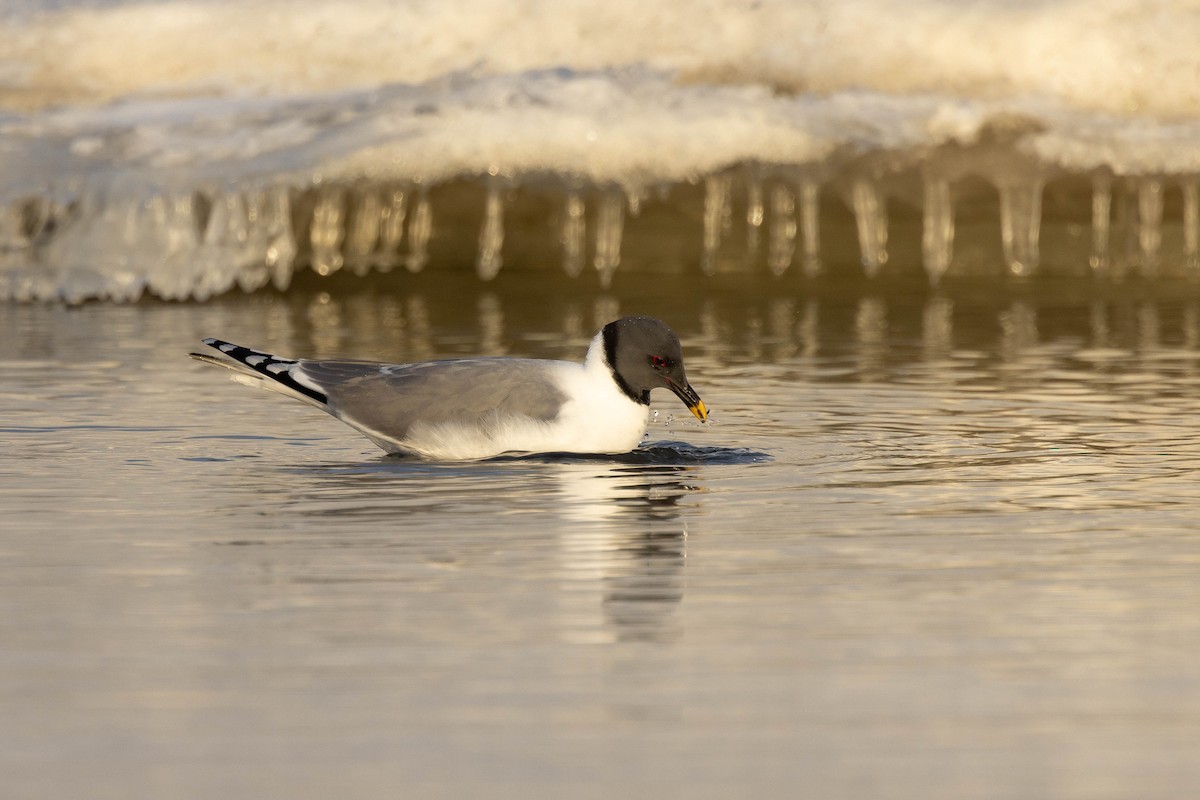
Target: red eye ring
(659,362)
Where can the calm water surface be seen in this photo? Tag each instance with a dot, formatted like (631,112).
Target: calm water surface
(933,546)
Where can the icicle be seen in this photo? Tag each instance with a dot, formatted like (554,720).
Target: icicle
(610,224)
(363,233)
(937,233)
(227,223)
(870,213)
(755,213)
(249,246)
(218,260)
(1101,222)
(240,242)
(1191,226)
(328,228)
(634,202)
(1020,225)
(276,218)
(420,228)
(391,227)
(138,218)
(574,233)
(179,224)
(810,209)
(781,236)
(1150,210)
(1125,220)
(716,216)
(491,236)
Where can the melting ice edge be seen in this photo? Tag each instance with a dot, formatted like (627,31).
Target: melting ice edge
(189,198)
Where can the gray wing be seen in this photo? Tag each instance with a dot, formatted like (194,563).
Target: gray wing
(389,399)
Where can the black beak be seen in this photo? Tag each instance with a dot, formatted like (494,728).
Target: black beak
(690,399)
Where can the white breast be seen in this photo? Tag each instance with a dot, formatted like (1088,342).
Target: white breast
(596,417)
(599,417)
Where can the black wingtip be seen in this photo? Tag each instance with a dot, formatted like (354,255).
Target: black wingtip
(224,346)
(261,363)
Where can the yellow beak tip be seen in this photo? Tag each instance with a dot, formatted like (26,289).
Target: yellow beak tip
(700,411)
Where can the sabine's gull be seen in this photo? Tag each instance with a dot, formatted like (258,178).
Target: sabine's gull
(472,408)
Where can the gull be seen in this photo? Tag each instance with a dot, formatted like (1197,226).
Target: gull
(474,408)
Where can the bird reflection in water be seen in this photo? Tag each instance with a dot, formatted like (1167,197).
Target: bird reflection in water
(623,551)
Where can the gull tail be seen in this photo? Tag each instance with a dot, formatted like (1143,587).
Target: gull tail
(263,371)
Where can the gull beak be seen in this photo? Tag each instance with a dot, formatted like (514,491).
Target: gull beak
(690,399)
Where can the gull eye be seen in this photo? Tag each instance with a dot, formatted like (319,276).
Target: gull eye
(659,362)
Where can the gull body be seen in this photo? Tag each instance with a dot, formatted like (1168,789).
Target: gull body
(472,408)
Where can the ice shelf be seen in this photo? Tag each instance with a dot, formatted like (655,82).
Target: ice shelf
(181,150)
(787,222)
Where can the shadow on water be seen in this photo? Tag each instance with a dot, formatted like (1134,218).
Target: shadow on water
(667,453)
(664,453)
